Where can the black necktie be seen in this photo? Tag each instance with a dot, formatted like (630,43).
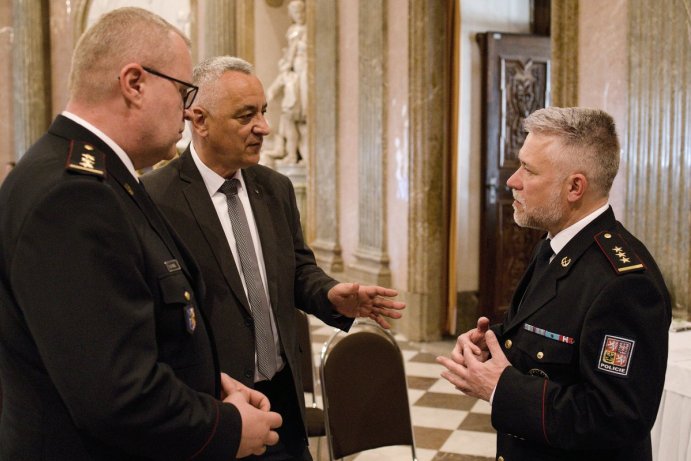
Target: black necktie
(544,253)
(263,333)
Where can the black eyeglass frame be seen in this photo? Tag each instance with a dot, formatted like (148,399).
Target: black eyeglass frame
(192,90)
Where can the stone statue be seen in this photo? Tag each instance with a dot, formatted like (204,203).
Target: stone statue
(290,140)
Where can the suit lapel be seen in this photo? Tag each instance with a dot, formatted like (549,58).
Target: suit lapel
(544,289)
(201,206)
(259,197)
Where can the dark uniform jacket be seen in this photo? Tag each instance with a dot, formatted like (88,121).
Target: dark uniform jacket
(293,278)
(588,347)
(103,352)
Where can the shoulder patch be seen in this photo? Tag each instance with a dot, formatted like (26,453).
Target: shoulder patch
(84,158)
(620,255)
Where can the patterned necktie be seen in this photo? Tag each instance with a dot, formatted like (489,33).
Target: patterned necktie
(263,333)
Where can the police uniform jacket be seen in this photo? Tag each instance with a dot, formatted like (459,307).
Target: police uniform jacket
(103,352)
(588,345)
(293,277)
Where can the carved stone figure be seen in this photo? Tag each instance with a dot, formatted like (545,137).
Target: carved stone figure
(290,140)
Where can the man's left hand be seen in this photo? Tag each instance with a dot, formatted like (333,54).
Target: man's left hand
(353,300)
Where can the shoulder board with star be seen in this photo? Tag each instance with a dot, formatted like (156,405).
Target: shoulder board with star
(619,253)
(85,159)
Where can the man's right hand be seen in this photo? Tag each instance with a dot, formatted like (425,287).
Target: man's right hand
(258,425)
(475,340)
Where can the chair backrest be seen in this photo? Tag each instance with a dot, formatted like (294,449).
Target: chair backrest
(365,392)
(305,341)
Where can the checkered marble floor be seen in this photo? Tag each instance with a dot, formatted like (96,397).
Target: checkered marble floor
(448,425)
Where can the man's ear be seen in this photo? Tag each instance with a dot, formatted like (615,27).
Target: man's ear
(198,117)
(577,186)
(131,80)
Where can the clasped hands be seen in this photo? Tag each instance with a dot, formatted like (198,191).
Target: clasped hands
(258,422)
(354,300)
(477,361)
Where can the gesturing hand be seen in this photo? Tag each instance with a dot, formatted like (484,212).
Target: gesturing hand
(353,300)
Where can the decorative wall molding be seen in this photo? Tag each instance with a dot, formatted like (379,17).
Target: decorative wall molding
(657,151)
(371,263)
(322,128)
(564,30)
(30,73)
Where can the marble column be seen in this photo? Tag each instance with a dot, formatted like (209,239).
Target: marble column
(430,93)
(30,77)
(322,215)
(657,150)
(564,28)
(371,263)
(7,153)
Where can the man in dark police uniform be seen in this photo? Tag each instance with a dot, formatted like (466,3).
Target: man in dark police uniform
(576,370)
(104,353)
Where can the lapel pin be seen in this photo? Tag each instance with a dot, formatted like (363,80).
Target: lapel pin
(565,261)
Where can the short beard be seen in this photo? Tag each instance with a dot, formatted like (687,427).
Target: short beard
(543,216)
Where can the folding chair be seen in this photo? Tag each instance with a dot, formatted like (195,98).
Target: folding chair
(314,415)
(364,391)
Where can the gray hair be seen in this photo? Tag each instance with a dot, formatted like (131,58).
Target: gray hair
(589,137)
(119,37)
(207,73)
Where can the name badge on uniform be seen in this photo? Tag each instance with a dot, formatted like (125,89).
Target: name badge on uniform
(190,318)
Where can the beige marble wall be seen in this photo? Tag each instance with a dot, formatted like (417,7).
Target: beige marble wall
(603,72)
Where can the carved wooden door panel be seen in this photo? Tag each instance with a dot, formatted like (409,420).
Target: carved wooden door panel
(516,74)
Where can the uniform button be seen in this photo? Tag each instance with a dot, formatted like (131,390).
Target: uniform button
(508,343)
(249,373)
(501,458)
(540,355)
(187,295)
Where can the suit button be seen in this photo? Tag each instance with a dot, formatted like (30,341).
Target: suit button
(540,355)
(508,343)
(249,373)
(187,295)
(248,322)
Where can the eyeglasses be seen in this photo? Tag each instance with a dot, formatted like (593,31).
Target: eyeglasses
(188,93)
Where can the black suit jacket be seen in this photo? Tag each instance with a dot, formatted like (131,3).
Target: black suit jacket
(103,351)
(293,277)
(588,346)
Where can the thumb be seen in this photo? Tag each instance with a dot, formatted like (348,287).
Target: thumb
(493,344)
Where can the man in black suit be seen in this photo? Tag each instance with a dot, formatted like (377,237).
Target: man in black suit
(104,351)
(577,368)
(228,127)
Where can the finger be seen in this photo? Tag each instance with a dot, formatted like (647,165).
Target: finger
(272,438)
(468,355)
(493,345)
(382,303)
(381,291)
(483,324)
(275,420)
(260,401)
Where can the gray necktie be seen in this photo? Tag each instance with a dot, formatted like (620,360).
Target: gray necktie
(263,333)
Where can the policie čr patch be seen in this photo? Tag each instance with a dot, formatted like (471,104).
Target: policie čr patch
(615,357)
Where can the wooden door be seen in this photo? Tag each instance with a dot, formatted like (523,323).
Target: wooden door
(516,75)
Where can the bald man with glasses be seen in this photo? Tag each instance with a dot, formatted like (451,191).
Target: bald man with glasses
(104,350)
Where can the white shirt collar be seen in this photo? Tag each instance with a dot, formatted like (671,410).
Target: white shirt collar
(212,180)
(104,137)
(559,241)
